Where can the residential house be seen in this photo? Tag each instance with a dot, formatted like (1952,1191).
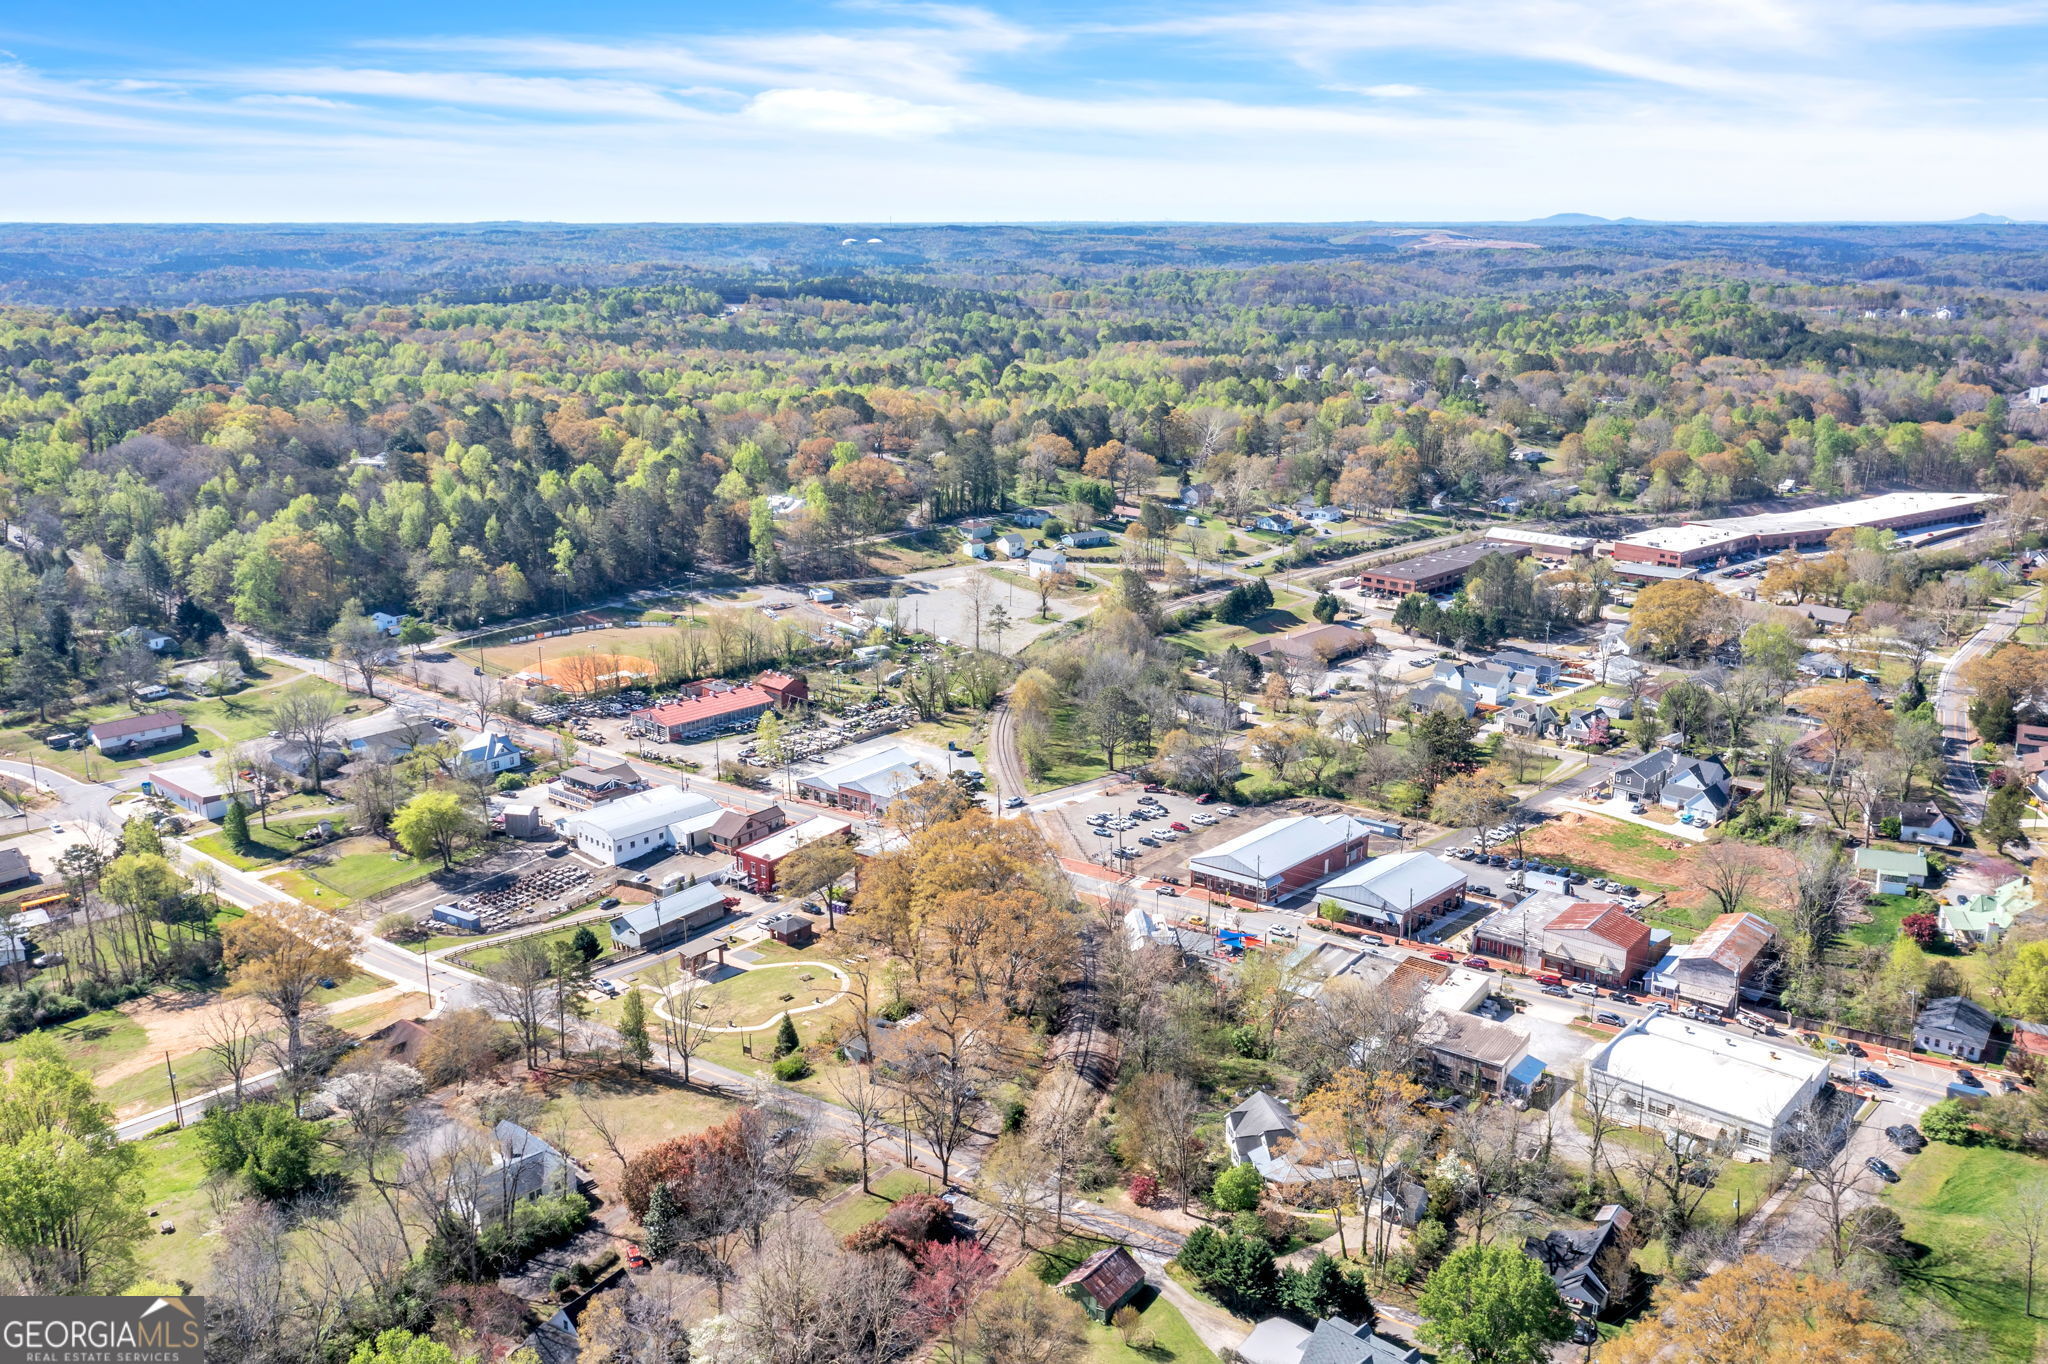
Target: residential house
(1891,873)
(1276,1340)
(974,549)
(1545,670)
(292,758)
(1253,1132)
(1984,919)
(1325,516)
(671,919)
(1042,563)
(1529,720)
(133,733)
(1822,665)
(978,529)
(1485,684)
(1031,518)
(16,871)
(586,788)
(1669,778)
(1676,1076)
(1197,495)
(1592,727)
(1104,1282)
(1727,963)
(1920,821)
(485,753)
(223,676)
(388,735)
(1955,1027)
(1527,454)
(1824,618)
(156,641)
(1399,892)
(1086,539)
(1011,545)
(386,623)
(1280,522)
(1587,1265)
(1209,712)
(1434,695)
(523,1168)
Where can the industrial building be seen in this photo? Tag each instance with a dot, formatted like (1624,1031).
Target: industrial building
(1695,542)
(1694,1079)
(669,920)
(1438,569)
(1545,545)
(1271,863)
(634,826)
(1399,892)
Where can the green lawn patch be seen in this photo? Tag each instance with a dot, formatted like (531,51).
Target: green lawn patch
(863,1208)
(485,957)
(1885,913)
(173,1184)
(1162,1334)
(360,869)
(1069,756)
(265,846)
(91,1043)
(1947,1197)
(755,999)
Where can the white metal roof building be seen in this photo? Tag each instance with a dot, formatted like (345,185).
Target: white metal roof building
(1399,891)
(670,919)
(1275,860)
(1699,540)
(868,783)
(650,821)
(1675,1076)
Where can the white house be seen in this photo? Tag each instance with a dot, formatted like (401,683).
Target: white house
(1920,821)
(131,732)
(386,622)
(664,818)
(1044,562)
(1673,1075)
(156,641)
(486,753)
(1011,545)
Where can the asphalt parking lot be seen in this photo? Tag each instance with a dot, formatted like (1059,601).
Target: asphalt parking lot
(1170,858)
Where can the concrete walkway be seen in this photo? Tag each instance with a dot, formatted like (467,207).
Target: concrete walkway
(692,986)
(1618,809)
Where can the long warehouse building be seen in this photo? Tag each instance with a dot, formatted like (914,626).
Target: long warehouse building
(1701,541)
(1435,570)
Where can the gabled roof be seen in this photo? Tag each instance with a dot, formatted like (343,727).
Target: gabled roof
(1732,942)
(126,725)
(1397,880)
(1956,1014)
(1263,854)
(1107,1276)
(642,812)
(1604,922)
(1260,1115)
(1887,863)
(1911,814)
(679,904)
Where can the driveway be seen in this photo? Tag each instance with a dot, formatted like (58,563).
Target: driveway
(1951,706)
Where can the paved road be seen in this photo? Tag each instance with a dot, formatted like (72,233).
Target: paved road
(1951,707)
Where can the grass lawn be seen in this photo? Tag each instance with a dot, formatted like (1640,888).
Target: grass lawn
(758,997)
(641,1110)
(214,723)
(1948,1196)
(1885,913)
(1162,1334)
(361,869)
(484,957)
(265,846)
(862,1208)
(1289,610)
(173,1180)
(91,1043)
(1070,756)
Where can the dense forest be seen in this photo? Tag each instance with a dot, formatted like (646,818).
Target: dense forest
(471,423)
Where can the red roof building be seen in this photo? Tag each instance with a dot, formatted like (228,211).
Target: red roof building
(1597,942)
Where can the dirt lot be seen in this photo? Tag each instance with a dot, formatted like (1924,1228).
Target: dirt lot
(1639,857)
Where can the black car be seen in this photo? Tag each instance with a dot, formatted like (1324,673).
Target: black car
(1966,1076)
(1906,1137)
(1585,1332)
(1881,1170)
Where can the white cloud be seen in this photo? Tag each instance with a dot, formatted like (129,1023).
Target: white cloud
(850,111)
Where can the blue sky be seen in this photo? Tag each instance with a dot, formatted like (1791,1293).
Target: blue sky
(870,112)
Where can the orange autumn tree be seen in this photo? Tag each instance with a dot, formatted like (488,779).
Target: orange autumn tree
(1756,1311)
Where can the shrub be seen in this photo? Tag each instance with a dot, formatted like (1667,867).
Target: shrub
(791,1068)
(1237,1189)
(269,1146)
(786,1040)
(869,1236)
(898,1009)
(1948,1121)
(918,1219)
(1143,1189)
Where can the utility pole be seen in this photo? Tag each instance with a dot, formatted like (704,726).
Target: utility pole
(177,1108)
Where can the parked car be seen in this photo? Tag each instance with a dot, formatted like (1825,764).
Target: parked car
(1101,832)
(1587,989)
(1479,963)
(1443,956)
(1206,798)
(1179,827)
(1906,1137)
(1153,788)
(1611,1019)
(635,1258)
(1964,1075)
(1226,809)
(1549,979)
(1871,1077)
(1881,1170)
(1557,992)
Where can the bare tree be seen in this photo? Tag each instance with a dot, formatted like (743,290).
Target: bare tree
(306,713)
(482,693)
(683,1033)
(234,1035)
(247,1286)
(603,1122)
(1728,872)
(1816,1145)
(2023,1225)
(520,990)
(867,1103)
(356,642)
